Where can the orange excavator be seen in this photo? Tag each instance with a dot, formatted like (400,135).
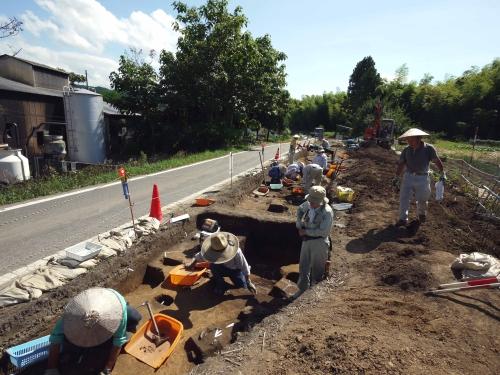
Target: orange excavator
(382,130)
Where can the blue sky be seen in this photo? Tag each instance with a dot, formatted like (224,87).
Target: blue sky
(322,39)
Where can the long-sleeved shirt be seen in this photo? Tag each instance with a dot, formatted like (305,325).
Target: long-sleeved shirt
(321,160)
(239,262)
(320,225)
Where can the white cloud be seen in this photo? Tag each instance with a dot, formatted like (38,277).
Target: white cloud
(35,25)
(82,33)
(88,25)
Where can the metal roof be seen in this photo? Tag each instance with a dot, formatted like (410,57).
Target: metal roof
(38,65)
(9,85)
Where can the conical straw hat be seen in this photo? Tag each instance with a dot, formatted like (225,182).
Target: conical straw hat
(220,247)
(413,132)
(92,317)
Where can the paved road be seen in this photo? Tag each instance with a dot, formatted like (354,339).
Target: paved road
(32,232)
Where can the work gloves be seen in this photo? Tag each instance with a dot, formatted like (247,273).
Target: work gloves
(51,371)
(251,287)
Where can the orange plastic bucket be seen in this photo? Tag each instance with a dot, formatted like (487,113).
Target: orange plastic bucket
(298,191)
(203,202)
(142,346)
(181,276)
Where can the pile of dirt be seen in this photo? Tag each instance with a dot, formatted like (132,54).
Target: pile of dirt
(372,316)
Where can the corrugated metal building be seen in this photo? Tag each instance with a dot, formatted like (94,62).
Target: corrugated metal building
(30,94)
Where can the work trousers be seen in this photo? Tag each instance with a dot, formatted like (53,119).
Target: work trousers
(418,185)
(313,257)
(312,177)
(219,271)
(291,155)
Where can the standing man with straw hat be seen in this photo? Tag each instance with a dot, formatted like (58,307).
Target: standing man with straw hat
(293,147)
(414,161)
(314,223)
(95,317)
(226,260)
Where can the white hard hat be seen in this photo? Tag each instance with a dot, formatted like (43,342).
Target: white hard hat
(413,132)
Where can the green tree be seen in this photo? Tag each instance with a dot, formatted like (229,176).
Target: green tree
(363,83)
(136,85)
(220,78)
(76,78)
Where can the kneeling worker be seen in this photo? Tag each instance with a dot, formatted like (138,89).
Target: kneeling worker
(95,317)
(314,223)
(226,260)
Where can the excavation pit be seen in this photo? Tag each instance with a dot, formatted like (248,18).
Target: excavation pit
(272,247)
(164,300)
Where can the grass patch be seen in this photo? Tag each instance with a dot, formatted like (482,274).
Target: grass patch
(94,175)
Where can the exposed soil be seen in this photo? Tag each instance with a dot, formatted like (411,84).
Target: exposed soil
(371,316)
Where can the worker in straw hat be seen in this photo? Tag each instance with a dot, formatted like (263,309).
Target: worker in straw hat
(320,158)
(314,223)
(226,260)
(294,170)
(414,162)
(293,147)
(96,317)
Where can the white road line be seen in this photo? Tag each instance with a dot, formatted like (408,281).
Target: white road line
(93,188)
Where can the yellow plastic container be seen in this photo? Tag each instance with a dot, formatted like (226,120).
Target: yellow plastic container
(345,194)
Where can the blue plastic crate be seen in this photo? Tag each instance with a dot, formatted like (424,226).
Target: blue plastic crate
(30,352)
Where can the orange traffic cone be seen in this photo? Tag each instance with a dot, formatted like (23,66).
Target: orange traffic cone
(155,210)
(277,155)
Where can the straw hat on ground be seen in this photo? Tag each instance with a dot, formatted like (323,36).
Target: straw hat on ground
(317,194)
(92,317)
(413,132)
(220,247)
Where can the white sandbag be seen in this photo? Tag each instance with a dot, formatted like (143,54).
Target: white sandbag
(13,293)
(477,265)
(106,253)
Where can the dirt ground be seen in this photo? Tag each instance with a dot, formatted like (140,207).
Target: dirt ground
(370,317)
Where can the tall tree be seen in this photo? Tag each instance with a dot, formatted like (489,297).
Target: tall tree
(363,83)
(221,79)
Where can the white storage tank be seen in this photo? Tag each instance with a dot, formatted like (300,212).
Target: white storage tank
(85,126)
(14,167)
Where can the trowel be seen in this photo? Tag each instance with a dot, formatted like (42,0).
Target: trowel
(158,339)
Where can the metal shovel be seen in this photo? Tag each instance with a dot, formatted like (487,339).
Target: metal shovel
(157,337)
